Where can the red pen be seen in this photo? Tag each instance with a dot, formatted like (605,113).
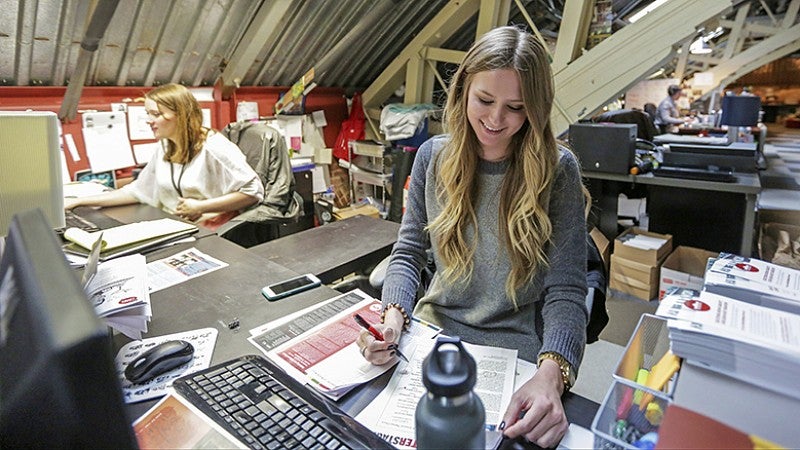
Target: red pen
(375,333)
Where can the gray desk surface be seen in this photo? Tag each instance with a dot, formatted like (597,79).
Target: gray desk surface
(334,250)
(217,298)
(747,183)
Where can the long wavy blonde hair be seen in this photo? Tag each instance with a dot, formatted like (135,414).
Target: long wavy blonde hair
(190,135)
(524,223)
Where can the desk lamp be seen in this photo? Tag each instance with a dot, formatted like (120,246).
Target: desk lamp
(739,111)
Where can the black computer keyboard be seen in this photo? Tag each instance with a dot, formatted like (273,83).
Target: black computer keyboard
(696,173)
(73,220)
(265,408)
(89,219)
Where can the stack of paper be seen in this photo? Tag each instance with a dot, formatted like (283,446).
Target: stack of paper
(127,234)
(118,291)
(752,343)
(755,281)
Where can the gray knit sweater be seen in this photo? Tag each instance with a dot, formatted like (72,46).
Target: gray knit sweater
(552,310)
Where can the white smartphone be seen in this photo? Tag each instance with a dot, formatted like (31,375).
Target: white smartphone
(289,287)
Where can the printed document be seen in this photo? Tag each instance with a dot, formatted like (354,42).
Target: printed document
(118,292)
(318,345)
(391,414)
(180,267)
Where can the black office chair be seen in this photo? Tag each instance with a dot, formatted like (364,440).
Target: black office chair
(266,152)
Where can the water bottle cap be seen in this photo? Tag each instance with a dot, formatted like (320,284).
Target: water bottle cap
(449,370)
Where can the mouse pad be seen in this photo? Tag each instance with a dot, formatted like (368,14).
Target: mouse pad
(203,341)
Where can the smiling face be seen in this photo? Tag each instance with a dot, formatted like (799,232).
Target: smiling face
(495,111)
(162,121)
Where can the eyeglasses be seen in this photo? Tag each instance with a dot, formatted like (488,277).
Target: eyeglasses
(153,115)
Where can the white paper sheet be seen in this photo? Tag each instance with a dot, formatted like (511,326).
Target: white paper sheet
(105,135)
(203,340)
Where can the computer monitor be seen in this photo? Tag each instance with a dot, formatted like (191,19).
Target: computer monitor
(740,110)
(30,166)
(58,383)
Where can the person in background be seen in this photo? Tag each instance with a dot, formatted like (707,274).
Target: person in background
(667,114)
(196,173)
(501,207)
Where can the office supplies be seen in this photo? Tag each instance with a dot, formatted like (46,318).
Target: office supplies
(752,343)
(389,413)
(377,335)
(317,346)
(30,157)
(254,400)
(739,156)
(89,219)
(202,339)
(127,239)
(180,267)
(604,147)
(119,294)
(173,422)
(58,385)
(277,291)
(106,137)
(159,360)
(696,173)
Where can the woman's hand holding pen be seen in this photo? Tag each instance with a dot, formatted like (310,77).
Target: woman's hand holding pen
(381,352)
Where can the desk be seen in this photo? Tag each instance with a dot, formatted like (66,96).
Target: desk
(693,211)
(216,298)
(333,250)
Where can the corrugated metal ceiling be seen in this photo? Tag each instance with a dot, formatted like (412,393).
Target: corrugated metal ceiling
(150,42)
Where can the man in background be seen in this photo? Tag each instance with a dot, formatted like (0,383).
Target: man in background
(668,114)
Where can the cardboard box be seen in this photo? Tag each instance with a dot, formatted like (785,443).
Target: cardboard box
(624,246)
(356,210)
(684,268)
(635,278)
(603,245)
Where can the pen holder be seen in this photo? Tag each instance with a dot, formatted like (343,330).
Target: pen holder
(647,345)
(622,423)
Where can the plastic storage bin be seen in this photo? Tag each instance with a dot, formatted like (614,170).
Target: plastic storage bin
(647,345)
(621,421)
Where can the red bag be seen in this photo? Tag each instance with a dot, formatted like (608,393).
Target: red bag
(352,129)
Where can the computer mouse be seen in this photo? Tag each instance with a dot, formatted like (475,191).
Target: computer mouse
(158,360)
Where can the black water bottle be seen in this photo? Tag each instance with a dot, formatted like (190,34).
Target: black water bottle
(450,415)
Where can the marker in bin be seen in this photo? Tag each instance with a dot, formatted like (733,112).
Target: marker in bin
(377,335)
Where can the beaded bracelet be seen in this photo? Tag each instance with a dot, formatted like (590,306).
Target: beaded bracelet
(406,320)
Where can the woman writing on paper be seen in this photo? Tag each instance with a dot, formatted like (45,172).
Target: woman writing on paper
(196,173)
(501,206)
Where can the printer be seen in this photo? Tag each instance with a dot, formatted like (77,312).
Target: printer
(738,156)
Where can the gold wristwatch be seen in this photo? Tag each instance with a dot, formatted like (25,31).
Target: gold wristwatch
(567,374)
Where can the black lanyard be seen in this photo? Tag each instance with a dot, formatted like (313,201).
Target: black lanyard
(180,177)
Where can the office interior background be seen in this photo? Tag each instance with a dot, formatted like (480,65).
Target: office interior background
(77,56)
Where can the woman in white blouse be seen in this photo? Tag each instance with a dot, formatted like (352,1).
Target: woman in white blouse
(196,173)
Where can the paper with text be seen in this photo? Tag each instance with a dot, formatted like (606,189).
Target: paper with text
(391,414)
(180,267)
(320,350)
(203,340)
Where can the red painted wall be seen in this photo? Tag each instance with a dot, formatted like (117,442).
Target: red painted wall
(14,98)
